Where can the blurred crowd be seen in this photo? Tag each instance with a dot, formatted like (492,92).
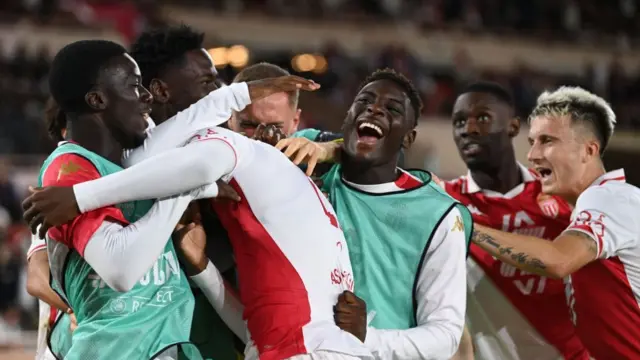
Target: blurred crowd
(23,75)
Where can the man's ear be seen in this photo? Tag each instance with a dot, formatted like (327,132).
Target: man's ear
(296,121)
(408,139)
(160,91)
(514,127)
(96,100)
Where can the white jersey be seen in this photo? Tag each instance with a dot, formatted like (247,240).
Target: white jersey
(604,296)
(291,255)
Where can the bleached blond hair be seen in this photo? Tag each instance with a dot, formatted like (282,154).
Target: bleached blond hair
(582,106)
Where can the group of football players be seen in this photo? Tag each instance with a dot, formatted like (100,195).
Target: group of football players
(176,219)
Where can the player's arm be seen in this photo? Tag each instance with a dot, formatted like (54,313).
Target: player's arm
(604,224)
(223,299)
(119,252)
(38,276)
(191,243)
(441,297)
(203,161)
(301,150)
(121,255)
(211,110)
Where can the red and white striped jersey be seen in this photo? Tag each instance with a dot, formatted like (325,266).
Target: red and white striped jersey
(524,210)
(291,255)
(604,296)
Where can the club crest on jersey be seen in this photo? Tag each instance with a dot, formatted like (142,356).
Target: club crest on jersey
(548,205)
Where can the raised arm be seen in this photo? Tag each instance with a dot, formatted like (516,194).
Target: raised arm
(212,110)
(200,163)
(441,296)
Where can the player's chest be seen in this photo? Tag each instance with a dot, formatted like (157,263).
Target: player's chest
(544,218)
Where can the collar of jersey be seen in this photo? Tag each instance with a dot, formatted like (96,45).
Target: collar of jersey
(615,175)
(472,186)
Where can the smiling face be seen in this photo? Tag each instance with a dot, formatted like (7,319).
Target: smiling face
(379,123)
(483,127)
(127,101)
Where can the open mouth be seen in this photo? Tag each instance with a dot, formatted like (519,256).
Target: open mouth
(545,173)
(369,132)
(471,149)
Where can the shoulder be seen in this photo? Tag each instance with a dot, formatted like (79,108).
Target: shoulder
(69,169)
(454,186)
(609,196)
(310,134)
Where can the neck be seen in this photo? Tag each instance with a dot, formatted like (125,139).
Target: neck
(90,132)
(367,174)
(588,177)
(505,177)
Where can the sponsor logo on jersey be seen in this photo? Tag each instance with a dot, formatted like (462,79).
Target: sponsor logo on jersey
(457,225)
(68,168)
(548,205)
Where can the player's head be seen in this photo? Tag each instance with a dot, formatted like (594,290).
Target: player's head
(484,123)
(569,132)
(98,78)
(382,118)
(280,109)
(175,68)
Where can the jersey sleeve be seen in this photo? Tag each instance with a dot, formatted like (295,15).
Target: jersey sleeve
(608,218)
(218,134)
(68,170)
(37,244)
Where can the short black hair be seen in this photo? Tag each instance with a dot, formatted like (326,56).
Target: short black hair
(265,70)
(492,88)
(403,82)
(157,49)
(74,71)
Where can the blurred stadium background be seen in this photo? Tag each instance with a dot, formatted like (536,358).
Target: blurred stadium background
(527,45)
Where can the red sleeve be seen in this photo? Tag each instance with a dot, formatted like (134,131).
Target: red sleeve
(68,170)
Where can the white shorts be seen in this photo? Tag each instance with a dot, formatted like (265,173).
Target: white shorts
(324,355)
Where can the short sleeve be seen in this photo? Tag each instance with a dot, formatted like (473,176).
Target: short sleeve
(68,170)
(218,134)
(37,244)
(607,216)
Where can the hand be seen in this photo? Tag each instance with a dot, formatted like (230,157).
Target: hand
(191,241)
(226,192)
(302,150)
(191,215)
(350,314)
(73,325)
(269,134)
(259,89)
(50,206)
